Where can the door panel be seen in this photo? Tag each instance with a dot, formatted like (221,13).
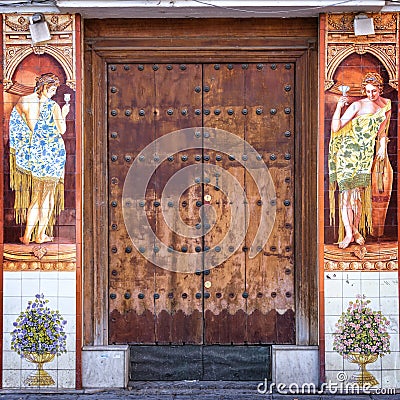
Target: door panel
(178,312)
(242,300)
(224,309)
(131,277)
(270,285)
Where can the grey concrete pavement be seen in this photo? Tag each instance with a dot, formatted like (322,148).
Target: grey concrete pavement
(182,391)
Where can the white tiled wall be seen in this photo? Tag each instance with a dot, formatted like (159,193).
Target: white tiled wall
(60,289)
(381,288)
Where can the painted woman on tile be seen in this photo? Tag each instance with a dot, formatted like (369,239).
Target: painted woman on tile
(37,159)
(354,136)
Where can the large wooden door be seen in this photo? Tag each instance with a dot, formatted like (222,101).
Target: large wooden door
(247,298)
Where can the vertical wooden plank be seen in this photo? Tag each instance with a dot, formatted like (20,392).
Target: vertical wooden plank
(270,274)
(178,308)
(224,309)
(88,199)
(95,203)
(131,276)
(306,252)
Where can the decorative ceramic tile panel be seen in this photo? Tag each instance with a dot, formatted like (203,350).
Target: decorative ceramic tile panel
(40,149)
(358,210)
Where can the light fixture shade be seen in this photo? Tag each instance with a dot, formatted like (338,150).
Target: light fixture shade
(363,25)
(39,28)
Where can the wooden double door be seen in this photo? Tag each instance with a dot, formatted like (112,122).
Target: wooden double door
(247,298)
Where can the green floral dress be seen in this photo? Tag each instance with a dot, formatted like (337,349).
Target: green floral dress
(351,154)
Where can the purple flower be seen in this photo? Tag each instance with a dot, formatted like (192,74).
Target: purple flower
(39,329)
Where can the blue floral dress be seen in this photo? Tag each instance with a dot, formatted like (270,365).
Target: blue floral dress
(41,152)
(37,162)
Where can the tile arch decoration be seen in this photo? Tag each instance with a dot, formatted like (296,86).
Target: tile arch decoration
(23,78)
(382,45)
(17,27)
(345,71)
(16,57)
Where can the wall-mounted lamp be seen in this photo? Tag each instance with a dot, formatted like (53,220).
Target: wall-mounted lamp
(363,25)
(39,28)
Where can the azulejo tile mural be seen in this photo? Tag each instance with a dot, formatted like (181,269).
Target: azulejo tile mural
(39,336)
(41,173)
(359,254)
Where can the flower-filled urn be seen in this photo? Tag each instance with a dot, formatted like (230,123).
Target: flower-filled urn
(39,336)
(361,337)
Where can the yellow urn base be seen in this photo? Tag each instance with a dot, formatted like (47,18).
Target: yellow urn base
(363,377)
(39,377)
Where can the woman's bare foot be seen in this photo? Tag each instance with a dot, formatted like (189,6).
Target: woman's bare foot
(345,242)
(23,240)
(358,238)
(44,239)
